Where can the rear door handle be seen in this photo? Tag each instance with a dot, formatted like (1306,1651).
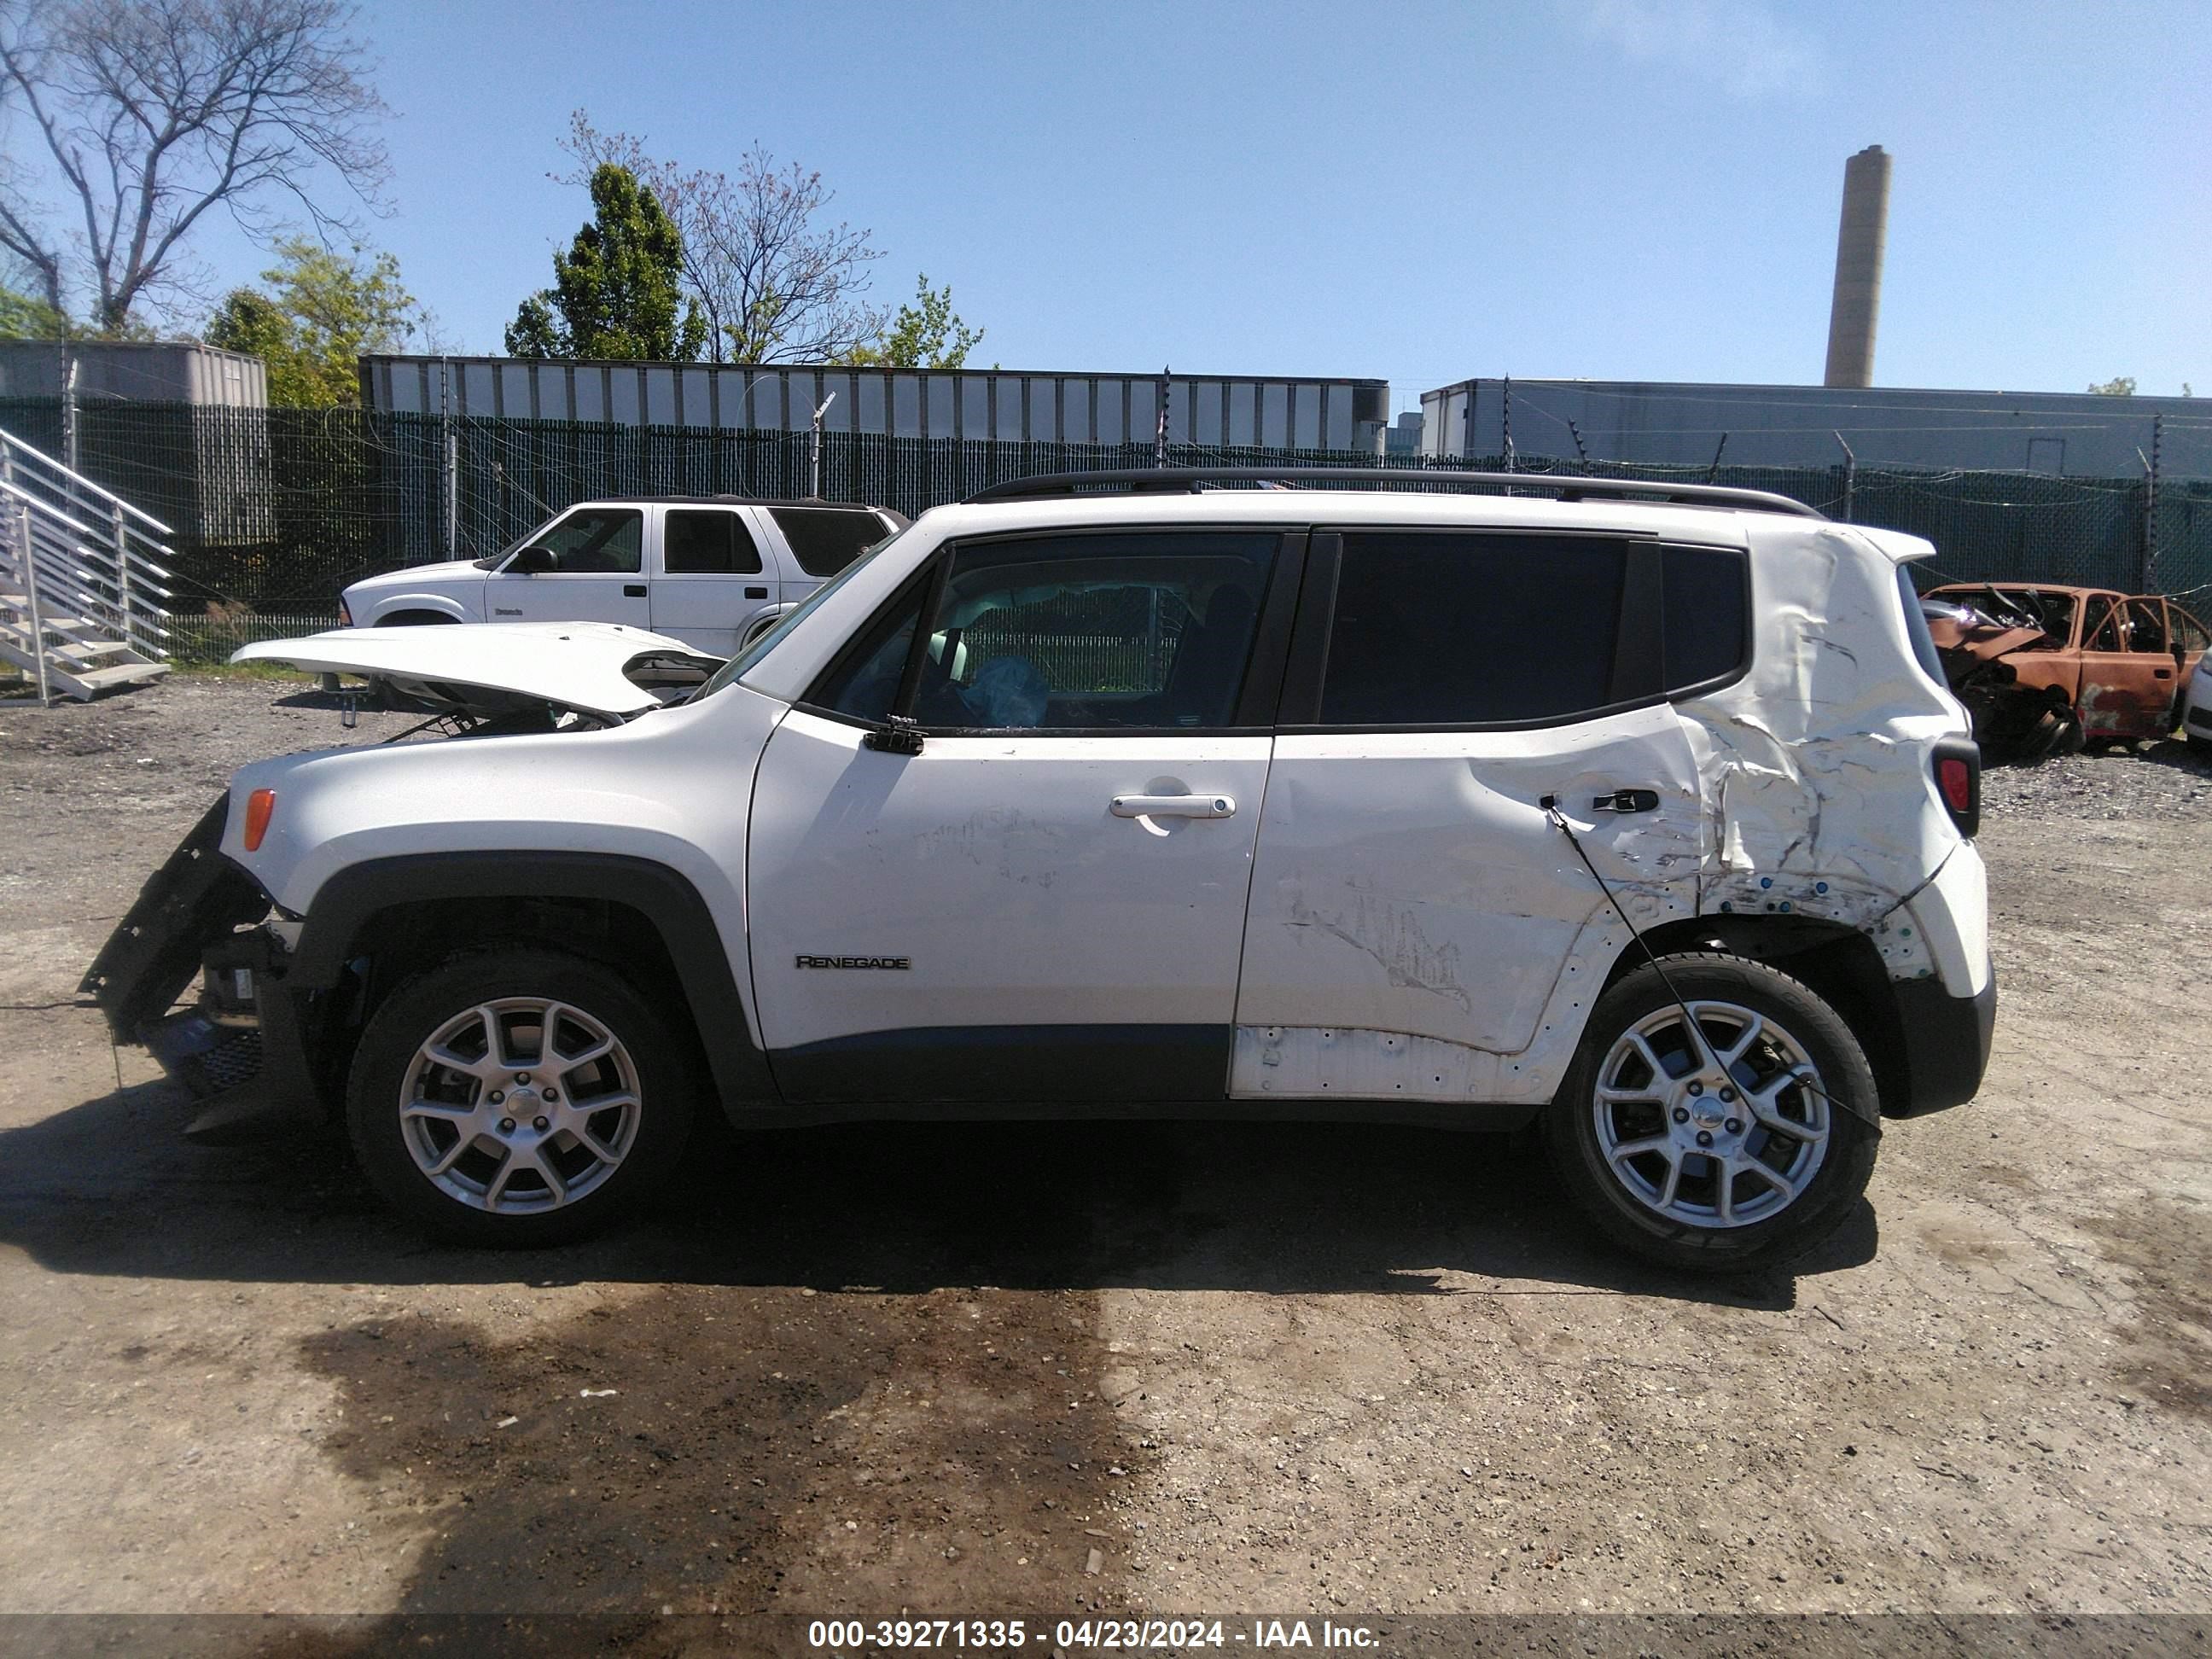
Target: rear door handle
(2161,673)
(633,590)
(1175,806)
(1627,800)
(756,592)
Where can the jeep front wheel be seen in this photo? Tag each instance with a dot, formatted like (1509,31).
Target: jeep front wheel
(518,1098)
(1733,1135)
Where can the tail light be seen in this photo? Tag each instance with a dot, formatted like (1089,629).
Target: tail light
(1957,763)
(258,806)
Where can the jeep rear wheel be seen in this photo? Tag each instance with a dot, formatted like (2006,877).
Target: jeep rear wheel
(517,1097)
(1731,1136)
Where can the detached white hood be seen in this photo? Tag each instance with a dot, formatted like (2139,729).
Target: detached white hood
(595,668)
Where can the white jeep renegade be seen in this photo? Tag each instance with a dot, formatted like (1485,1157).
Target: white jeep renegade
(1638,811)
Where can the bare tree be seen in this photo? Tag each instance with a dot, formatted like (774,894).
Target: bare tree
(153,111)
(775,280)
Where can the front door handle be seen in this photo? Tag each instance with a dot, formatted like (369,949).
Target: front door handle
(2161,673)
(633,590)
(1175,806)
(1627,800)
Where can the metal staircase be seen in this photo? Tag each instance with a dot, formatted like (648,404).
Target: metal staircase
(83,579)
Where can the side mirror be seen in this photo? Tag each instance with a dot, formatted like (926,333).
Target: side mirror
(531,562)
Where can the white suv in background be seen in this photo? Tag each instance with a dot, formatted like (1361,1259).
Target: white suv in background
(1642,813)
(713,571)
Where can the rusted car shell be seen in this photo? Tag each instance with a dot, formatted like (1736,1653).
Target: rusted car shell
(2101,665)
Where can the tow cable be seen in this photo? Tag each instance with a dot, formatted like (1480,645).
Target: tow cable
(1550,804)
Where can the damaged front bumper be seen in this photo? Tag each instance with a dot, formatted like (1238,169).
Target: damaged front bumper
(238,1049)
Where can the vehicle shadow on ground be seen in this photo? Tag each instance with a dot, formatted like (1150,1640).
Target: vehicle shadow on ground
(108,1187)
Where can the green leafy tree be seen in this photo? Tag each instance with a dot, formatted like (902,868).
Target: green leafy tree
(2125,387)
(24,317)
(618,291)
(320,312)
(928,334)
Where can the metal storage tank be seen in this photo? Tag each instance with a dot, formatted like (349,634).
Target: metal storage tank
(136,371)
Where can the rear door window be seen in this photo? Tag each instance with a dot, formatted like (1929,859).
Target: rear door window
(825,539)
(1443,629)
(2146,626)
(708,542)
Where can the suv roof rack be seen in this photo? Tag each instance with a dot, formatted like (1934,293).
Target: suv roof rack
(1568,487)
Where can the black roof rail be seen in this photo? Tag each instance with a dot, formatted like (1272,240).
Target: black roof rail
(1567,487)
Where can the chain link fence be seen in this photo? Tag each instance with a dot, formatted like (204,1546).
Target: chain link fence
(274,511)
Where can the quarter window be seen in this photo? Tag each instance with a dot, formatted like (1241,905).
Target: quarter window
(825,539)
(1451,629)
(711,540)
(1706,618)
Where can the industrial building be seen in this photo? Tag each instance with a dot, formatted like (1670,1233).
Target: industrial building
(1006,405)
(1663,423)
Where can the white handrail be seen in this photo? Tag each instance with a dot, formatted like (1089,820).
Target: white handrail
(39,504)
(93,572)
(9,440)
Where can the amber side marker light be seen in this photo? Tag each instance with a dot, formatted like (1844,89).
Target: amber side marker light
(258,806)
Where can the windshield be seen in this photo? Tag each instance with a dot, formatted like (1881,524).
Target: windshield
(743,662)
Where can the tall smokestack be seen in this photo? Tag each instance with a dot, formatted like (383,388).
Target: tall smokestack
(1859,241)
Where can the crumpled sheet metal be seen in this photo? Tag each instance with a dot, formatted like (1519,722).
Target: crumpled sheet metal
(1815,768)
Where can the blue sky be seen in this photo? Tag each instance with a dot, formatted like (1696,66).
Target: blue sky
(1421,191)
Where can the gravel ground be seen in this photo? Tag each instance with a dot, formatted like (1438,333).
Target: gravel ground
(2150,780)
(974,1369)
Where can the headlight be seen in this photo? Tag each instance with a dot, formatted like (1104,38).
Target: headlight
(345,612)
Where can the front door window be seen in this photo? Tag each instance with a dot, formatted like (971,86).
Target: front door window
(597,541)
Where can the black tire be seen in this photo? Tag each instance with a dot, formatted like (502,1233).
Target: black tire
(414,619)
(662,1079)
(1826,1197)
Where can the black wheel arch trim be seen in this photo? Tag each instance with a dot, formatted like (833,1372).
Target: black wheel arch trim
(351,899)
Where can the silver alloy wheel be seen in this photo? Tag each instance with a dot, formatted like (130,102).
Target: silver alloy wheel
(520,1105)
(1722,1133)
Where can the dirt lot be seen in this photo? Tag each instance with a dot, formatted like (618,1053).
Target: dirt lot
(982,1370)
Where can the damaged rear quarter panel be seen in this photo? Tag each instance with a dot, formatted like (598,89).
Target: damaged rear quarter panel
(1816,766)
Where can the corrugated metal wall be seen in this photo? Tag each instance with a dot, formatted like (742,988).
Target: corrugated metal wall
(1272,412)
(1652,423)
